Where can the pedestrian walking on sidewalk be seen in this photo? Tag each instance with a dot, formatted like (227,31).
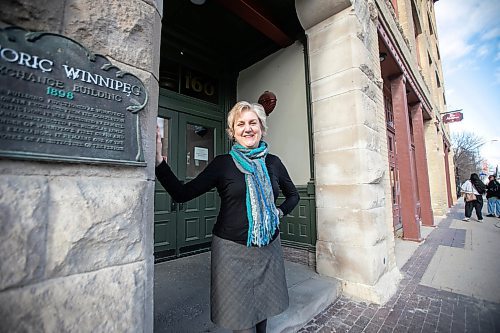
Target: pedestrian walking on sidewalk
(473,190)
(247,269)
(493,196)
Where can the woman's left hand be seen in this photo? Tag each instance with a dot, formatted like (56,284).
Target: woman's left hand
(159,147)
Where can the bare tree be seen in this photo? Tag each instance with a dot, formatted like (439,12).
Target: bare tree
(466,157)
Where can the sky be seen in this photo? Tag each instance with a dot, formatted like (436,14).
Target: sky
(469,44)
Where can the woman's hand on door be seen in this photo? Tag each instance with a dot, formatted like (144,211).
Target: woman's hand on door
(159,147)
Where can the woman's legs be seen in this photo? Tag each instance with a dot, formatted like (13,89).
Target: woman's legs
(497,207)
(479,206)
(469,205)
(491,205)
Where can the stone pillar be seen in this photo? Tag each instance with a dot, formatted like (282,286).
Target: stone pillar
(355,239)
(453,178)
(411,226)
(436,167)
(76,240)
(421,162)
(447,173)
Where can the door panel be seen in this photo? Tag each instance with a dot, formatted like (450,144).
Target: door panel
(191,143)
(394,178)
(202,142)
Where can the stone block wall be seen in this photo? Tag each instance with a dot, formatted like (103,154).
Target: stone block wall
(453,180)
(355,239)
(76,247)
(405,20)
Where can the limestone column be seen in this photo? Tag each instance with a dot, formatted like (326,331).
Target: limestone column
(453,178)
(421,162)
(411,226)
(354,216)
(447,172)
(76,240)
(436,167)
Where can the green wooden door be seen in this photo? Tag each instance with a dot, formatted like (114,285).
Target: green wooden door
(201,142)
(165,215)
(193,142)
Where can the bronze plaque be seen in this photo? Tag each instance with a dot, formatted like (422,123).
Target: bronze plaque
(58,101)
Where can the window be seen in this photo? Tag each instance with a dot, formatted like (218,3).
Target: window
(389,113)
(431,30)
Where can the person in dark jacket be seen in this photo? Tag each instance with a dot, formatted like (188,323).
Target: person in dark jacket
(493,196)
(476,186)
(247,269)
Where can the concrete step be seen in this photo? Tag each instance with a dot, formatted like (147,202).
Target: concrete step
(309,295)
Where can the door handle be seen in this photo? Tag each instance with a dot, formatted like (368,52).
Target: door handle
(173,206)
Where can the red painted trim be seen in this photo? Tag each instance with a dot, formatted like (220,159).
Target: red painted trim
(389,42)
(250,13)
(406,166)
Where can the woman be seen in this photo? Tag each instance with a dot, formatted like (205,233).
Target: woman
(493,197)
(475,186)
(247,270)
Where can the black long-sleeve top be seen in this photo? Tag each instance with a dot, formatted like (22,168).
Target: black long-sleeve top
(232,221)
(493,189)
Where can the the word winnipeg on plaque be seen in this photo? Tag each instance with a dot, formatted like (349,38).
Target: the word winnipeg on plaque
(60,102)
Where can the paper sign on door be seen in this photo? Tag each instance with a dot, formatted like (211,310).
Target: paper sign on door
(201,154)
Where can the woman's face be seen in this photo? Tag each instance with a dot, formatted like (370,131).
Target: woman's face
(247,129)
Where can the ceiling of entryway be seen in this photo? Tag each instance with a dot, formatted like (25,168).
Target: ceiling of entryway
(227,34)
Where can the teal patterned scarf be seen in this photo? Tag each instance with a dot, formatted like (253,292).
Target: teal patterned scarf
(261,211)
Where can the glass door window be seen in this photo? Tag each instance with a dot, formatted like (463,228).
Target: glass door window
(200,144)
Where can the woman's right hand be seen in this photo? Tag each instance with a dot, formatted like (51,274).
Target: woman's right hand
(159,147)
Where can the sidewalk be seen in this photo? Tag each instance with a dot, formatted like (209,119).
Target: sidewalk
(182,289)
(451,284)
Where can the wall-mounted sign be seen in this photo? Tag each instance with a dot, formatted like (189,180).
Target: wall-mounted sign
(453,117)
(188,82)
(58,101)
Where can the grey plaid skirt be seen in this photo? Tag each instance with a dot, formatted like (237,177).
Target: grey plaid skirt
(248,284)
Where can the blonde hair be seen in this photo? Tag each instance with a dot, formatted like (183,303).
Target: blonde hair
(241,106)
